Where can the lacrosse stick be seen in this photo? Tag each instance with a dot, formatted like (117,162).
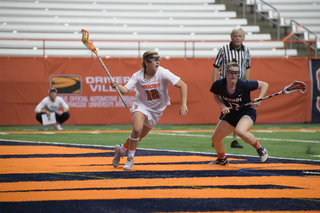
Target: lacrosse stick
(293,87)
(89,45)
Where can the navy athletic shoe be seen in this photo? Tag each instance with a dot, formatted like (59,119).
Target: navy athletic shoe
(223,162)
(235,144)
(263,153)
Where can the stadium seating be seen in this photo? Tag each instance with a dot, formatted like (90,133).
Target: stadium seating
(304,13)
(123,28)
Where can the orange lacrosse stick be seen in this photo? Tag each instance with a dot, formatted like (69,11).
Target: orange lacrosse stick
(89,45)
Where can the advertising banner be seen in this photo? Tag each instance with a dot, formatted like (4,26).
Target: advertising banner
(315,79)
(84,85)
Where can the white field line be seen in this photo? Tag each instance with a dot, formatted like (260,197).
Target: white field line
(209,136)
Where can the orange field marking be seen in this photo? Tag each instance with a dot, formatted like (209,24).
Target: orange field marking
(99,180)
(103,164)
(300,182)
(156,194)
(129,131)
(33,150)
(255,212)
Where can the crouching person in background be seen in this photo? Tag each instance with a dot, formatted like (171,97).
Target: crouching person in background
(51,104)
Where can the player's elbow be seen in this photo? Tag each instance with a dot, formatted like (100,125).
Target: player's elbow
(124,90)
(181,85)
(263,85)
(266,85)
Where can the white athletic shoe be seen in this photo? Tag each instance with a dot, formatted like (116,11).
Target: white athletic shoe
(129,164)
(117,156)
(45,128)
(58,127)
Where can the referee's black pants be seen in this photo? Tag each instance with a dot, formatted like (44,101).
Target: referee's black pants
(59,118)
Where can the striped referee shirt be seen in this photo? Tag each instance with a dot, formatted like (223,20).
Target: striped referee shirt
(229,54)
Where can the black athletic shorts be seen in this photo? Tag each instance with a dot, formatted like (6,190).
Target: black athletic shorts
(233,118)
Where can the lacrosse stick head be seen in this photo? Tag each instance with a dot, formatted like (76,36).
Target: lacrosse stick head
(87,42)
(295,86)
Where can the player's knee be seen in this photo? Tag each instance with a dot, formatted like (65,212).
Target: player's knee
(215,139)
(212,139)
(239,132)
(136,132)
(67,115)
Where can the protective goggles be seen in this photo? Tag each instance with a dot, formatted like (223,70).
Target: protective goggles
(155,58)
(233,72)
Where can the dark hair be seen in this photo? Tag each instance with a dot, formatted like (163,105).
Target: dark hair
(52,90)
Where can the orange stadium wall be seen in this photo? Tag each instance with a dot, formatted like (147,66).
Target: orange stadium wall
(83,84)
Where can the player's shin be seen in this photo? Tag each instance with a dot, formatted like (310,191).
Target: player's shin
(133,143)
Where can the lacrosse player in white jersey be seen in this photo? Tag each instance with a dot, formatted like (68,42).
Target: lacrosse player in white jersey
(151,99)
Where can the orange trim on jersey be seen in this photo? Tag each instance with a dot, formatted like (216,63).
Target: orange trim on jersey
(150,86)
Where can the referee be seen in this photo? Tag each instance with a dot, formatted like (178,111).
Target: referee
(235,51)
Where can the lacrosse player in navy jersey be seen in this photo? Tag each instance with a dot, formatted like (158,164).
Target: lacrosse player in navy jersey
(151,99)
(231,92)
(235,51)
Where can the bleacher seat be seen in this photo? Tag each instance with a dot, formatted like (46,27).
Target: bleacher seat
(126,29)
(105,6)
(133,45)
(136,53)
(287,2)
(305,13)
(80,21)
(182,2)
(120,28)
(291,7)
(141,37)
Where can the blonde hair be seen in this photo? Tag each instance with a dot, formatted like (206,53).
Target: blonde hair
(147,56)
(232,64)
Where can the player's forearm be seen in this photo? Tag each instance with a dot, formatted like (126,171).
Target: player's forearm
(263,86)
(247,74)
(183,91)
(184,94)
(66,110)
(219,101)
(123,89)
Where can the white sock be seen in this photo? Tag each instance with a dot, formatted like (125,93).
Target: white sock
(123,149)
(131,152)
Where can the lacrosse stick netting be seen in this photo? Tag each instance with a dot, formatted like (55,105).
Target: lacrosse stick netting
(293,87)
